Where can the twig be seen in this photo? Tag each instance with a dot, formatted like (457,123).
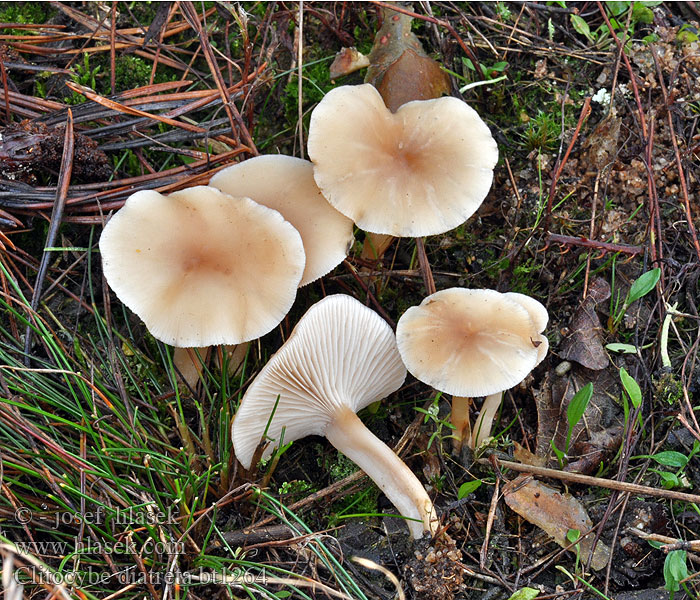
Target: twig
(489,523)
(56,216)
(425,270)
(559,166)
(610,484)
(588,243)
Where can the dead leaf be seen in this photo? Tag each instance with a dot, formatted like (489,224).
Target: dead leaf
(585,342)
(556,514)
(399,67)
(347,61)
(552,401)
(524,456)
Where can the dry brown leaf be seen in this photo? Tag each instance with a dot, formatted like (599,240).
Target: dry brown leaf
(555,513)
(524,456)
(347,61)
(399,67)
(585,342)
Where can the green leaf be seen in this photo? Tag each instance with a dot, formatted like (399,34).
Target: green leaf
(576,408)
(675,569)
(642,286)
(668,480)
(631,387)
(558,453)
(642,14)
(670,458)
(624,348)
(578,404)
(581,27)
(468,63)
(526,593)
(573,535)
(617,8)
(468,487)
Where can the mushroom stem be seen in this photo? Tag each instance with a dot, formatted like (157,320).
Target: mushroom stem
(189,363)
(460,420)
(482,430)
(349,435)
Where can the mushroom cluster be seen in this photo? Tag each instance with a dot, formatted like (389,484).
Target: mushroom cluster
(221,264)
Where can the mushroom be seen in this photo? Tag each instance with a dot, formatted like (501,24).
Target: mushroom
(286,184)
(470,342)
(200,267)
(422,170)
(340,358)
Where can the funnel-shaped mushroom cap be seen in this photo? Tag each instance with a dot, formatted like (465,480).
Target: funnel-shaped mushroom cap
(287,184)
(340,355)
(420,171)
(200,267)
(472,342)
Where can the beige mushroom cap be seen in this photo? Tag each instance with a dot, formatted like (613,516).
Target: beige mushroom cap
(286,184)
(472,342)
(200,267)
(341,354)
(420,171)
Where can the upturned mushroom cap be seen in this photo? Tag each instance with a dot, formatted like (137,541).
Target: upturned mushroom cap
(420,171)
(286,184)
(200,267)
(472,342)
(340,355)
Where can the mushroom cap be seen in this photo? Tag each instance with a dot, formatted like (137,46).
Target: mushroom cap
(340,354)
(200,267)
(420,171)
(472,342)
(287,184)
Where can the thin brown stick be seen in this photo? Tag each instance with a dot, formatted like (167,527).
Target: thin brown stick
(596,245)
(610,484)
(56,217)
(489,524)
(424,264)
(559,166)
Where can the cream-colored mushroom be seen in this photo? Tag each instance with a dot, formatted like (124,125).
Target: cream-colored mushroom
(340,358)
(468,343)
(200,267)
(286,184)
(420,171)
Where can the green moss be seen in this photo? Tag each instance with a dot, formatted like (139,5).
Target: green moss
(26,13)
(132,72)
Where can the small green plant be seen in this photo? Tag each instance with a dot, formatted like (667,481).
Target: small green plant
(619,14)
(542,133)
(85,76)
(675,571)
(672,460)
(640,288)
(574,413)
(633,392)
(468,487)
(432,414)
(573,536)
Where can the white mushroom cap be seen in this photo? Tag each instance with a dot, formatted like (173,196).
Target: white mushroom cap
(472,342)
(340,354)
(286,184)
(200,267)
(420,171)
